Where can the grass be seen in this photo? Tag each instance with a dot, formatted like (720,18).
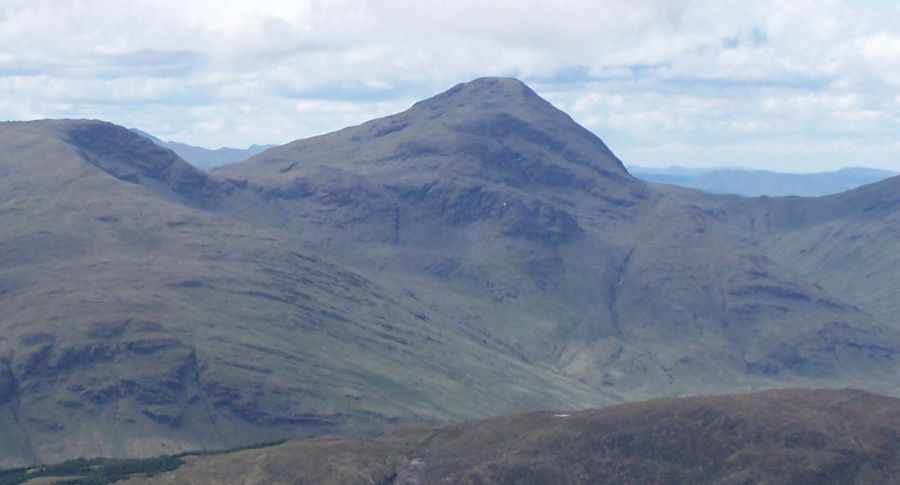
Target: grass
(101,471)
(790,437)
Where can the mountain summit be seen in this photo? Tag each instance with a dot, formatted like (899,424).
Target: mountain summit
(485,91)
(505,106)
(485,157)
(490,126)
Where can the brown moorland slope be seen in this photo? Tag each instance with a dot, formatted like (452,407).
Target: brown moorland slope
(774,437)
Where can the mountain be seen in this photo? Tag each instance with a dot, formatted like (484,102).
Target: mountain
(849,243)
(478,254)
(205,158)
(754,183)
(495,208)
(136,321)
(775,437)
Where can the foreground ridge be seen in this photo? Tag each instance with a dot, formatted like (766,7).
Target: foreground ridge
(778,437)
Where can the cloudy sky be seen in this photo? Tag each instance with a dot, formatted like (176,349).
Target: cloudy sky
(800,85)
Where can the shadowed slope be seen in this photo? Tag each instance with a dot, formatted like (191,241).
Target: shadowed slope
(849,243)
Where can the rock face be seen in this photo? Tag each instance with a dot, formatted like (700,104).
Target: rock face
(777,437)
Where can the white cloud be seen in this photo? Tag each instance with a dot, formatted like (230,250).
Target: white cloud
(883,47)
(652,77)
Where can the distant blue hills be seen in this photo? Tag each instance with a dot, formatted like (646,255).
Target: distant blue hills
(754,183)
(205,158)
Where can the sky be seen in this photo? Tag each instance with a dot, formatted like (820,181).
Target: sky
(800,85)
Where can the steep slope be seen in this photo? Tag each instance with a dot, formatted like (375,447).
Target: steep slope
(495,208)
(848,243)
(753,183)
(775,437)
(134,323)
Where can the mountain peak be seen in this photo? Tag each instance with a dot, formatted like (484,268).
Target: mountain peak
(488,124)
(492,86)
(485,92)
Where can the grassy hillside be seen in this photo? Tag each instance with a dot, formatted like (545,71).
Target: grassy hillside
(848,243)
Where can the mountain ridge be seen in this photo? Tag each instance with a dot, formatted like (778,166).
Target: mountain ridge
(779,437)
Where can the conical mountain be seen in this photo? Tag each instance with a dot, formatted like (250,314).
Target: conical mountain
(498,210)
(484,120)
(489,151)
